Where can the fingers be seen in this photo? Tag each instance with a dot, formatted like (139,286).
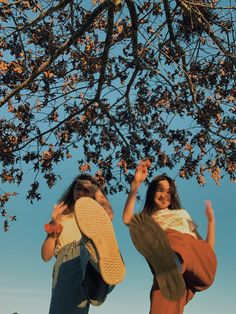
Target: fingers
(141,169)
(148,163)
(208,207)
(144,164)
(59,207)
(58,210)
(207,204)
(209,211)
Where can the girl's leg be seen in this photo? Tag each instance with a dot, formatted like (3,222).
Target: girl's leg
(95,224)
(198,268)
(161,305)
(68,293)
(95,285)
(199,260)
(150,240)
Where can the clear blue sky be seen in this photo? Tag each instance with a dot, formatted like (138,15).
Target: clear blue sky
(25,280)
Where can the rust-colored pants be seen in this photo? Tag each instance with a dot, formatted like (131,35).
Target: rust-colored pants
(198,268)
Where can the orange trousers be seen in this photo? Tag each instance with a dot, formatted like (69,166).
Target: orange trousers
(198,268)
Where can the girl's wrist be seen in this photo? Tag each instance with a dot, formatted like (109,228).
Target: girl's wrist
(53,229)
(54,218)
(135,186)
(53,236)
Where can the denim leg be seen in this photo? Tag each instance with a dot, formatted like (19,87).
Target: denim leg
(68,294)
(97,288)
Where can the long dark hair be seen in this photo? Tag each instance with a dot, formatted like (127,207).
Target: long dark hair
(68,195)
(149,206)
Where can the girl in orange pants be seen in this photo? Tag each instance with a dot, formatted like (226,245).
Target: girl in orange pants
(164,233)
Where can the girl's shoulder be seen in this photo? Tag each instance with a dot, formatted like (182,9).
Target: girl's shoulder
(185,214)
(181,212)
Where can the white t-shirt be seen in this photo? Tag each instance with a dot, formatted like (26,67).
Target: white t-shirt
(70,231)
(177,219)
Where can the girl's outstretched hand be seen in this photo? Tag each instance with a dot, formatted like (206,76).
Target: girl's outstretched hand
(210,238)
(58,210)
(141,171)
(209,211)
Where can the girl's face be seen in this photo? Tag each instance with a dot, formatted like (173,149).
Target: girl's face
(162,196)
(82,187)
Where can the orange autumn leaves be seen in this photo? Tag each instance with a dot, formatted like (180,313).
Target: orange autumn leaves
(15,66)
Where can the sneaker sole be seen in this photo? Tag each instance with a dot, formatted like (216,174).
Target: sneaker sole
(96,225)
(150,240)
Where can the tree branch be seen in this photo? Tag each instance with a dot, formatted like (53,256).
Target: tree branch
(59,6)
(106,51)
(58,52)
(168,20)
(53,128)
(134,36)
(112,119)
(179,50)
(206,27)
(134,31)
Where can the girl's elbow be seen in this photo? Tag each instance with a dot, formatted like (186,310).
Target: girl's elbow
(46,258)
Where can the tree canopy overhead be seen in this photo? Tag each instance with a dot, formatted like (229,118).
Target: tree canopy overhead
(110,82)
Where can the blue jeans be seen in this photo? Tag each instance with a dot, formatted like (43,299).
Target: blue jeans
(76,281)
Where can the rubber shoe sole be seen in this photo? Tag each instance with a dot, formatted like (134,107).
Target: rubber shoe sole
(150,240)
(95,224)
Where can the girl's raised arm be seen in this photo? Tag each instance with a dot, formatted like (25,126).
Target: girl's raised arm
(49,244)
(140,175)
(210,238)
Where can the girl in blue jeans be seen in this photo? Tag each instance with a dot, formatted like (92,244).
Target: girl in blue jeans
(81,237)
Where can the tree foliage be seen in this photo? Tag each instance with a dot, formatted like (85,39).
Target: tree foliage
(110,82)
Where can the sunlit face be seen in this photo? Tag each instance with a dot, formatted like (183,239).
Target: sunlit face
(162,196)
(82,187)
